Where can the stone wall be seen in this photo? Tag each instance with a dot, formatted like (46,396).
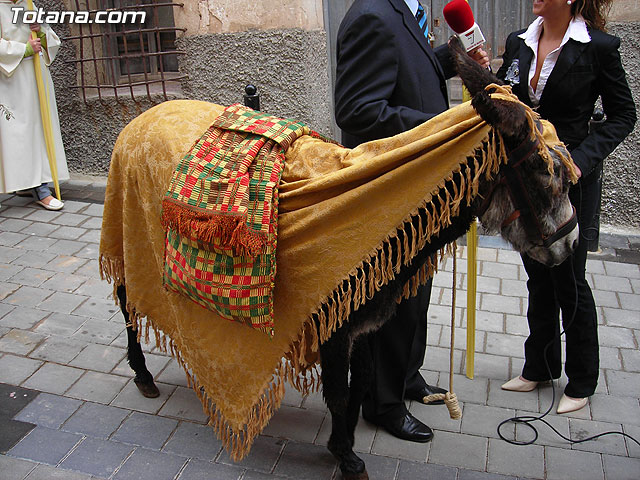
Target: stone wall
(289,67)
(625,11)
(89,130)
(621,186)
(279,46)
(202,17)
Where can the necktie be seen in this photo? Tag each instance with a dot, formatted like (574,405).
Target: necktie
(421,17)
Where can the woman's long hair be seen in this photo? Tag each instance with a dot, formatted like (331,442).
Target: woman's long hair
(594,12)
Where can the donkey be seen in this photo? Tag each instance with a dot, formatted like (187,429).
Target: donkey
(526,202)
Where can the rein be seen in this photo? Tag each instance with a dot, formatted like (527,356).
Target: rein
(511,178)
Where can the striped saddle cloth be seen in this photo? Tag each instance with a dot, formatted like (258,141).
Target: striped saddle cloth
(220,215)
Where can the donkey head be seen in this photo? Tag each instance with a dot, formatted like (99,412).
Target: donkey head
(527,202)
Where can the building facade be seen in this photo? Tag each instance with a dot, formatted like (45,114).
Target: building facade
(210,49)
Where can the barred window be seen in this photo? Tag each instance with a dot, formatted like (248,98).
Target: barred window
(132,55)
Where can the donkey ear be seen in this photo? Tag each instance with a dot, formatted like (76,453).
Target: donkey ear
(455,45)
(474,77)
(507,117)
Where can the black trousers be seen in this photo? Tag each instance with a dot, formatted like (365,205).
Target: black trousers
(397,351)
(564,288)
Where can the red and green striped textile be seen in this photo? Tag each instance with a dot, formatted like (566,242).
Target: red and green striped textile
(220,214)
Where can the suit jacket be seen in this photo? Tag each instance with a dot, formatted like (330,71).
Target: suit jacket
(583,72)
(388,78)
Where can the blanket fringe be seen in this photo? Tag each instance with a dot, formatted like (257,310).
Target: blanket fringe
(416,230)
(236,442)
(230,231)
(112,270)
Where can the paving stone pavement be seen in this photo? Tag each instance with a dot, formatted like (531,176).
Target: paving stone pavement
(69,408)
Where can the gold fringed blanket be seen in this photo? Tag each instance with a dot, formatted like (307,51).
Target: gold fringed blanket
(340,212)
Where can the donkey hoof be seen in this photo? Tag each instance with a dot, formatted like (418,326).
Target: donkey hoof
(147,389)
(352,467)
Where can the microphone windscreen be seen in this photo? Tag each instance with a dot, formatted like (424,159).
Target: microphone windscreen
(458,15)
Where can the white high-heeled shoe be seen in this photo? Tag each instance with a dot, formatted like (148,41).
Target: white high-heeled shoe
(520,384)
(569,404)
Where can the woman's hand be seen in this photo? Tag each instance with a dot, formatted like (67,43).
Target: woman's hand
(35,44)
(34,27)
(480,57)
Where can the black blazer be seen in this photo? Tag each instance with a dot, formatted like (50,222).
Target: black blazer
(583,72)
(388,77)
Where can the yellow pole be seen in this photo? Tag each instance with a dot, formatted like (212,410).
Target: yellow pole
(45,114)
(472,249)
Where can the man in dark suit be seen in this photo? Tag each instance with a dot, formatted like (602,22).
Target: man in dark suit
(389,80)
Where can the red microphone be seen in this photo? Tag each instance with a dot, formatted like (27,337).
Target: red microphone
(459,16)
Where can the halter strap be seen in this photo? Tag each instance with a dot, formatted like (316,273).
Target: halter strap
(565,229)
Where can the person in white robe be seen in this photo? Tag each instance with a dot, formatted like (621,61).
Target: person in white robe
(24,163)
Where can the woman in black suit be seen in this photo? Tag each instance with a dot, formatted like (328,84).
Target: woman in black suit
(560,66)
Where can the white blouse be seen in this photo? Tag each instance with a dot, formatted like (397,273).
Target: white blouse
(577,30)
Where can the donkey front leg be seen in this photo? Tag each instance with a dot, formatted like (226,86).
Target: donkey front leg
(334,359)
(143,378)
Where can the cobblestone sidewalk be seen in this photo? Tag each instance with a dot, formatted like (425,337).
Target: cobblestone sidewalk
(69,408)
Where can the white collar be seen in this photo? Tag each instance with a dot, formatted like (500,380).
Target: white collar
(413,6)
(577,31)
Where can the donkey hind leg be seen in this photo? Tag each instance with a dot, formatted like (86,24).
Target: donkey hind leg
(334,359)
(143,378)
(361,375)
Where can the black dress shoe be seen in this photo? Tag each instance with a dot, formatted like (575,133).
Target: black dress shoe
(406,427)
(418,395)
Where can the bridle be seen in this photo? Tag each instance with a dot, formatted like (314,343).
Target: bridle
(510,176)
